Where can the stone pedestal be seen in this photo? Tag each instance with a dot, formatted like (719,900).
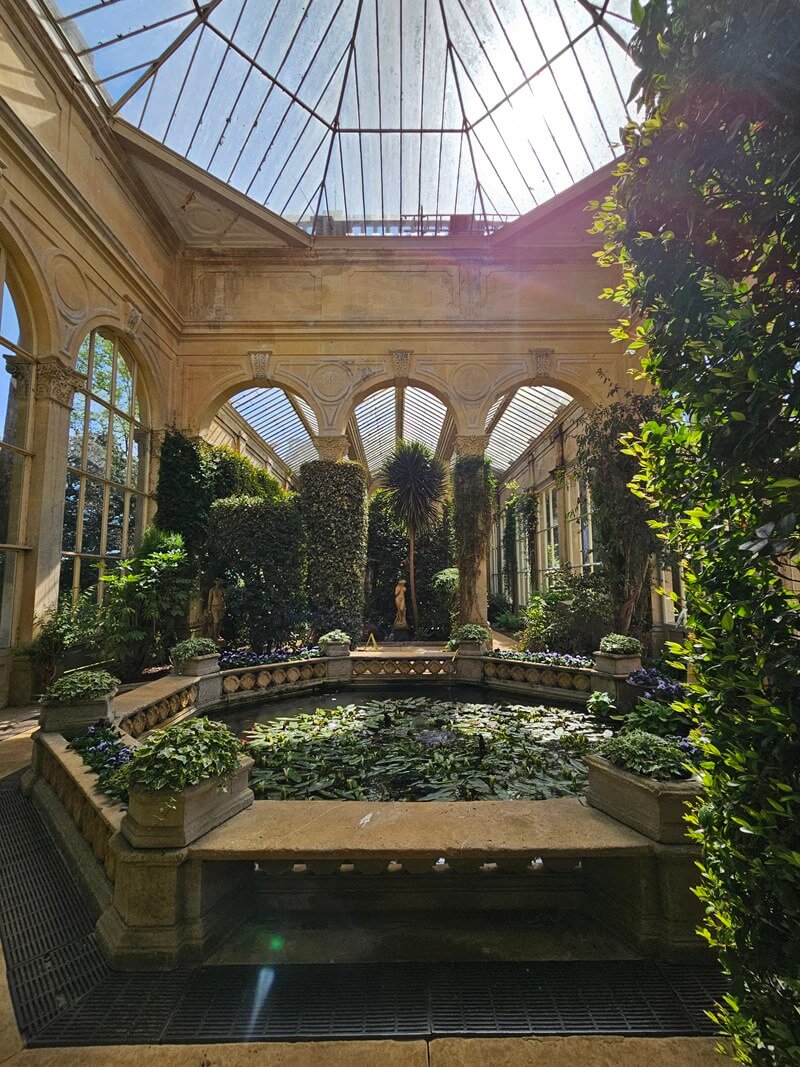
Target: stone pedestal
(469,662)
(69,720)
(340,669)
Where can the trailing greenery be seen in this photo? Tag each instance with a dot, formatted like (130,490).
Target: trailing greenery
(192,648)
(623,538)
(334,637)
(421,749)
(704,221)
(416,481)
(620,645)
(192,475)
(333,505)
(258,547)
(102,749)
(571,616)
(663,758)
(520,512)
(144,601)
(469,632)
(183,755)
(474,490)
(79,687)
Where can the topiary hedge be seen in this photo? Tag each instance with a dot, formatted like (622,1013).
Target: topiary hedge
(258,547)
(333,505)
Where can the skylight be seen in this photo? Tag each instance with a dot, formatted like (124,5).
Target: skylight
(367,116)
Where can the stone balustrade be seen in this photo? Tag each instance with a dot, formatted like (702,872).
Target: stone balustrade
(156,704)
(573,683)
(407,667)
(273,678)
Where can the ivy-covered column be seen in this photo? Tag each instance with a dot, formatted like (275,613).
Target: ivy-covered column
(473,495)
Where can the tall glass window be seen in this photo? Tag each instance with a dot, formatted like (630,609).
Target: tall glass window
(588,562)
(107,459)
(523,566)
(548,510)
(16,398)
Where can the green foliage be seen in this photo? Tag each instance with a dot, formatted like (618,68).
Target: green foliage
(79,687)
(655,717)
(571,616)
(334,637)
(192,475)
(620,645)
(507,620)
(601,704)
(258,547)
(661,758)
(184,755)
(474,490)
(434,554)
(497,605)
(191,648)
(333,504)
(623,537)
(470,631)
(520,511)
(66,629)
(419,749)
(144,600)
(102,749)
(387,549)
(704,221)
(416,481)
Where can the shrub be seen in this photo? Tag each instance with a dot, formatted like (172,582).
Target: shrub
(144,601)
(498,605)
(469,632)
(335,637)
(656,685)
(601,704)
(258,547)
(184,755)
(334,514)
(78,687)
(571,616)
(192,648)
(656,718)
(661,758)
(435,554)
(66,629)
(506,620)
(620,645)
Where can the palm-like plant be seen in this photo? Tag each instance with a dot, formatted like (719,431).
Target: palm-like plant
(416,480)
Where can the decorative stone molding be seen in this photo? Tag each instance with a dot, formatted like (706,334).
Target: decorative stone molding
(541,361)
(259,361)
(56,382)
(401,363)
(332,448)
(133,318)
(471,444)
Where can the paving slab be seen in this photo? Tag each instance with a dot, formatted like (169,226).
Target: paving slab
(576,1052)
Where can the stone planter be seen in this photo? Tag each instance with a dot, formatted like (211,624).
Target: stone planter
(472,648)
(335,649)
(655,809)
(72,719)
(162,819)
(607,663)
(198,666)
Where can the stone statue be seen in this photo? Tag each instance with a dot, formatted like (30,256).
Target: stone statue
(215,610)
(400,621)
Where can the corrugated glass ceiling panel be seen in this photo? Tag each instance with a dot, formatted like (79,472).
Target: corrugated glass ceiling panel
(423,416)
(272,414)
(368,116)
(531,409)
(375,418)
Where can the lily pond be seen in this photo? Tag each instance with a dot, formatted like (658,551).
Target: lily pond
(422,748)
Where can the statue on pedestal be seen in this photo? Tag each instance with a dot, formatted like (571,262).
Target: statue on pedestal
(400,620)
(215,610)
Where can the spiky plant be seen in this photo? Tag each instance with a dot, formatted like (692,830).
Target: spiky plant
(416,480)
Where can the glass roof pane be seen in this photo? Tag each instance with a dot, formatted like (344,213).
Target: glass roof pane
(423,416)
(375,418)
(369,117)
(272,415)
(531,409)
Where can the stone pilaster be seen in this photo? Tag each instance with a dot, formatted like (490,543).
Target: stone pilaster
(333,449)
(471,444)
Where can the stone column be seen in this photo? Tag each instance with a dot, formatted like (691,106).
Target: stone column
(332,449)
(473,601)
(53,390)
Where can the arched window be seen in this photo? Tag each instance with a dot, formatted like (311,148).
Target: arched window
(16,397)
(105,501)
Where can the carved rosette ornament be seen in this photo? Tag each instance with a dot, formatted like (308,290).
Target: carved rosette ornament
(401,363)
(471,444)
(259,361)
(333,449)
(541,361)
(56,382)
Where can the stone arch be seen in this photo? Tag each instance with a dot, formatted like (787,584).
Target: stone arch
(379,382)
(227,386)
(35,296)
(584,385)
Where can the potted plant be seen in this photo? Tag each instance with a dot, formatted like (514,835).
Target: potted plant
(470,639)
(618,655)
(335,644)
(643,780)
(77,700)
(182,782)
(197,657)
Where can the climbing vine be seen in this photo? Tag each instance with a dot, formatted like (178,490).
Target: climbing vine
(474,492)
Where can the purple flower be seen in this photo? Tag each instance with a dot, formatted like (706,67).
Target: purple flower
(657,686)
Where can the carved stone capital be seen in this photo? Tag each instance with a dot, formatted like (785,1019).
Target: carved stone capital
(471,444)
(401,363)
(259,361)
(56,382)
(332,449)
(541,362)
(133,318)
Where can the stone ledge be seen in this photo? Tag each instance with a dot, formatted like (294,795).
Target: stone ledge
(321,829)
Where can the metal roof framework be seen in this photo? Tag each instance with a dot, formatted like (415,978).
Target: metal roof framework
(387,117)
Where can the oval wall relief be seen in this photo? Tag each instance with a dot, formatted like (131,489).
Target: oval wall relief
(471,382)
(69,284)
(330,381)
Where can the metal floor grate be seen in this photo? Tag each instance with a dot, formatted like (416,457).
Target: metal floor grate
(65,994)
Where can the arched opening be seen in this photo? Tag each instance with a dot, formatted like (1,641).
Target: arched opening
(16,399)
(106,496)
(398,412)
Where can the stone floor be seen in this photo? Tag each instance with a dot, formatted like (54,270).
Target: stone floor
(445,1052)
